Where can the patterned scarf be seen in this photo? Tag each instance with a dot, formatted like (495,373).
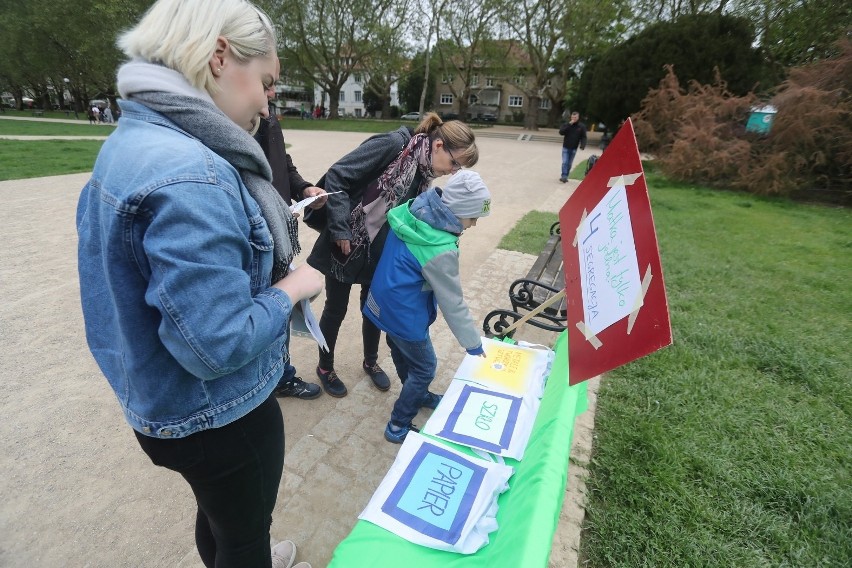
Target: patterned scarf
(168,93)
(382,195)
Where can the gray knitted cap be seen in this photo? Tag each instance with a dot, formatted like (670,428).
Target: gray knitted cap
(466,195)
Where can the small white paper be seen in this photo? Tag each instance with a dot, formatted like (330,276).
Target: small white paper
(299,205)
(609,269)
(303,323)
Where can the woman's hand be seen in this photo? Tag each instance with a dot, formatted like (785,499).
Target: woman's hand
(344,245)
(302,283)
(312,191)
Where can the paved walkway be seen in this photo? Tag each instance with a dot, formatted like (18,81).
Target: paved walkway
(78,491)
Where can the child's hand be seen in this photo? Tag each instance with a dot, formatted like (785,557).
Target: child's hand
(477,351)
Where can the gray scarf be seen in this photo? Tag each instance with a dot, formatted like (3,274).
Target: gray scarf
(198,116)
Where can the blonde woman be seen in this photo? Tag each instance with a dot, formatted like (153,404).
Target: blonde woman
(184,255)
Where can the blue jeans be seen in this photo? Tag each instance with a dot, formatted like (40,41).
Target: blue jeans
(415,364)
(567,159)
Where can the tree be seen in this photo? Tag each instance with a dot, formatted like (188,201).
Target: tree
(411,84)
(795,32)
(384,67)
(694,45)
(538,25)
(464,43)
(328,39)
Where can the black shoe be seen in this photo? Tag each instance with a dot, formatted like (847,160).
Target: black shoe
(380,378)
(332,383)
(298,388)
(563,179)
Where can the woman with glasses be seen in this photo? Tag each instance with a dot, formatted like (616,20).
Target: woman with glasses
(383,172)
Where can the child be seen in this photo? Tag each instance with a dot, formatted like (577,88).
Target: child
(418,271)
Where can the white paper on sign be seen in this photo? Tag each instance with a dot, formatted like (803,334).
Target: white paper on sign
(609,269)
(299,205)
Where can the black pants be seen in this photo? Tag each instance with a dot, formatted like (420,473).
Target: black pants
(234,472)
(333,313)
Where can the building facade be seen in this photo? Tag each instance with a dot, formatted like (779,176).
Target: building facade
(352,96)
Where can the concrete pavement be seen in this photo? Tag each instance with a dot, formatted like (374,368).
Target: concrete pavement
(77,489)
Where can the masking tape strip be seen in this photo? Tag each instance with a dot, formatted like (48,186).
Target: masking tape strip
(624,179)
(640,299)
(590,337)
(579,226)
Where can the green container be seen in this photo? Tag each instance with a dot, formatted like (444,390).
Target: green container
(760,120)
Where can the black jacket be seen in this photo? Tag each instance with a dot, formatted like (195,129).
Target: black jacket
(285,176)
(352,174)
(574,135)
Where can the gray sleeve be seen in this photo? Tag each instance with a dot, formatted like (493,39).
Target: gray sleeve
(442,273)
(352,173)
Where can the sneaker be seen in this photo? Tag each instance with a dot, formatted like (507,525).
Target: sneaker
(380,378)
(283,554)
(298,388)
(332,383)
(431,400)
(398,436)
(563,179)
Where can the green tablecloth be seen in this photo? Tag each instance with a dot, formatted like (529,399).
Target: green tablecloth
(529,510)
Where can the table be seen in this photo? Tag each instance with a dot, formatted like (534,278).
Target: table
(529,510)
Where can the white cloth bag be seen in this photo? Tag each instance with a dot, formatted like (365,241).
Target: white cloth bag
(438,497)
(496,422)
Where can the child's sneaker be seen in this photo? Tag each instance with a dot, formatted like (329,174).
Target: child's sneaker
(397,434)
(431,400)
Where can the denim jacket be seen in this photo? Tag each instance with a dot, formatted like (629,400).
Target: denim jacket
(175,263)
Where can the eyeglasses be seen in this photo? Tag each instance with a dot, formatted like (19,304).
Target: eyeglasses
(456,165)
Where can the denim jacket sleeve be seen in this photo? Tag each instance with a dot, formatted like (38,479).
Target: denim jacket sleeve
(209,259)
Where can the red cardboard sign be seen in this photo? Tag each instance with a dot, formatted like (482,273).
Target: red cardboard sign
(615,294)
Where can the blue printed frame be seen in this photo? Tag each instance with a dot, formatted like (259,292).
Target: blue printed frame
(449,433)
(391,506)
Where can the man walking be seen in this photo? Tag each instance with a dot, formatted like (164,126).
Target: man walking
(574,135)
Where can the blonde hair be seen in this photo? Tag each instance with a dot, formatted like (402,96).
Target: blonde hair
(182,34)
(456,136)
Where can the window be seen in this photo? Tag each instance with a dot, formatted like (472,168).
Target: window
(357,96)
(342,97)
(489,81)
(544,104)
(357,113)
(472,99)
(474,80)
(447,78)
(516,101)
(357,77)
(518,80)
(446,99)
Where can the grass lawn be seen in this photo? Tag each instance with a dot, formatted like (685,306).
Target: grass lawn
(44,128)
(733,446)
(21,159)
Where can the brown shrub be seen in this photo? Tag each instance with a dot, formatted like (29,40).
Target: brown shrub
(698,135)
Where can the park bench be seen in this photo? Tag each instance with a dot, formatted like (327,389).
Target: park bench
(38,112)
(540,287)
